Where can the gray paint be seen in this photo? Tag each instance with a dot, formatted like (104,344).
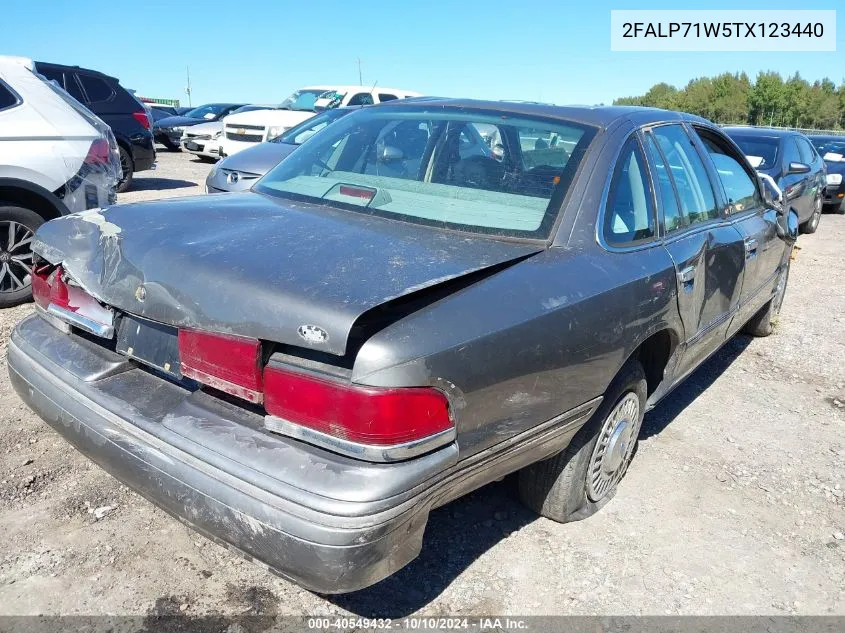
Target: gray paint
(518,351)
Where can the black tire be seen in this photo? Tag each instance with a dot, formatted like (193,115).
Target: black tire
(810,226)
(171,147)
(206,159)
(14,272)
(763,323)
(127,167)
(558,488)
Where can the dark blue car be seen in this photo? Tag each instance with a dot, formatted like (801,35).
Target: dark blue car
(832,150)
(794,164)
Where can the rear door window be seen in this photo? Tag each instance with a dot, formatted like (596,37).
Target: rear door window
(8,98)
(808,154)
(96,89)
(695,191)
(672,216)
(361,99)
(629,216)
(791,153)
(383,96)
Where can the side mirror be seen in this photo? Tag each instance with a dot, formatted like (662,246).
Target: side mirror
(390,154)
(772,195)
(787,225)
(798,168)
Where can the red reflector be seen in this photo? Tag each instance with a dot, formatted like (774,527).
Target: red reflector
(228,363)
(356,192)
(99,153)
(142,118)
(367,415)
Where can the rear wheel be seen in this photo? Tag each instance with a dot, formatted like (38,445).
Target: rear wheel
(577,482)
(812,224)
(17,227)
(127,171)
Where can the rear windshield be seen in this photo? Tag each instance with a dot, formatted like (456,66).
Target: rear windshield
(762,153)
(466,170)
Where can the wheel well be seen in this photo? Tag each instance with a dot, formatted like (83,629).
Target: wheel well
(128,149)
(29,200)
(653,353)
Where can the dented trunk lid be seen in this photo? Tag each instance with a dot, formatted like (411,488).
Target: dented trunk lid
(260,267)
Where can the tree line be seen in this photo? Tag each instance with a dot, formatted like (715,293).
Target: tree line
(768,101)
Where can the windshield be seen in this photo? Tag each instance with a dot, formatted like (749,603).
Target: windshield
(298,134)
(436,167)
(303,100)
(761,152)
(202,112)
(835,147)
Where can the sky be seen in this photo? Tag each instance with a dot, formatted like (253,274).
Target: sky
(259,51)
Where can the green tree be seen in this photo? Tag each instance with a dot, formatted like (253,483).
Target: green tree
(766,98)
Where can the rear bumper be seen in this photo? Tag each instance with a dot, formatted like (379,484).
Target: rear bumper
(330,523)
(340,547)
(143,152)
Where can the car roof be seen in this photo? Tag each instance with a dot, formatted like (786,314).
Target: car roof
(64,67)
(827,137)
(759,132)
(599,116)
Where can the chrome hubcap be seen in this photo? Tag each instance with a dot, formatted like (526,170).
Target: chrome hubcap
(15,256)
(614,447)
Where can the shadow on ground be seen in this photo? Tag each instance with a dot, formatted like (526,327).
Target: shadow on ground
(697,383)
(148,184)
(458,533)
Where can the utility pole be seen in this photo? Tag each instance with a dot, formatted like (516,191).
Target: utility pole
(188,87)
(360,76)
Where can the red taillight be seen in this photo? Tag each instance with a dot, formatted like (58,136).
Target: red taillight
(228,363)
(42,290)
(99,153)
(142,118)
(70,302)
(366,415)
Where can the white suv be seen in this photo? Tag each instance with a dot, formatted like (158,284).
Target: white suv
(246,129)
(56,157)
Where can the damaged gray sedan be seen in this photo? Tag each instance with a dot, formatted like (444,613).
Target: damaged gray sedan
(425,297)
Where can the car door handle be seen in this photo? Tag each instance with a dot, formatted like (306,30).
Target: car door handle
(686,277)
(750,247)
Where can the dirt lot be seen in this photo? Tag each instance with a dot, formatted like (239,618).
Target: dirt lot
(733,505)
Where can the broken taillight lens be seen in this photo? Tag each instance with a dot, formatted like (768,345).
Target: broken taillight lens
(231,364)
(69,302)
(365,415)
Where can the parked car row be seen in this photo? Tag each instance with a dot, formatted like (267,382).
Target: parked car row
(796,165)
(423,297)
(243,126)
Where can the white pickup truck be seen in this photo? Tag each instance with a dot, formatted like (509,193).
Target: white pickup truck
(244,130)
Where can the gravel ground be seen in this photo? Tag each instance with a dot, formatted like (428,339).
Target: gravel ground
(733,505)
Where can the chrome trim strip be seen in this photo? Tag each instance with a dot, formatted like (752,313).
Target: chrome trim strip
(366,452)
(82,322)
(60,325)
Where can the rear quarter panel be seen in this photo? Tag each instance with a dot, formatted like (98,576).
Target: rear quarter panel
(529,343)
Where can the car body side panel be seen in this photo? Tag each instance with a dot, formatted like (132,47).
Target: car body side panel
(566,321)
